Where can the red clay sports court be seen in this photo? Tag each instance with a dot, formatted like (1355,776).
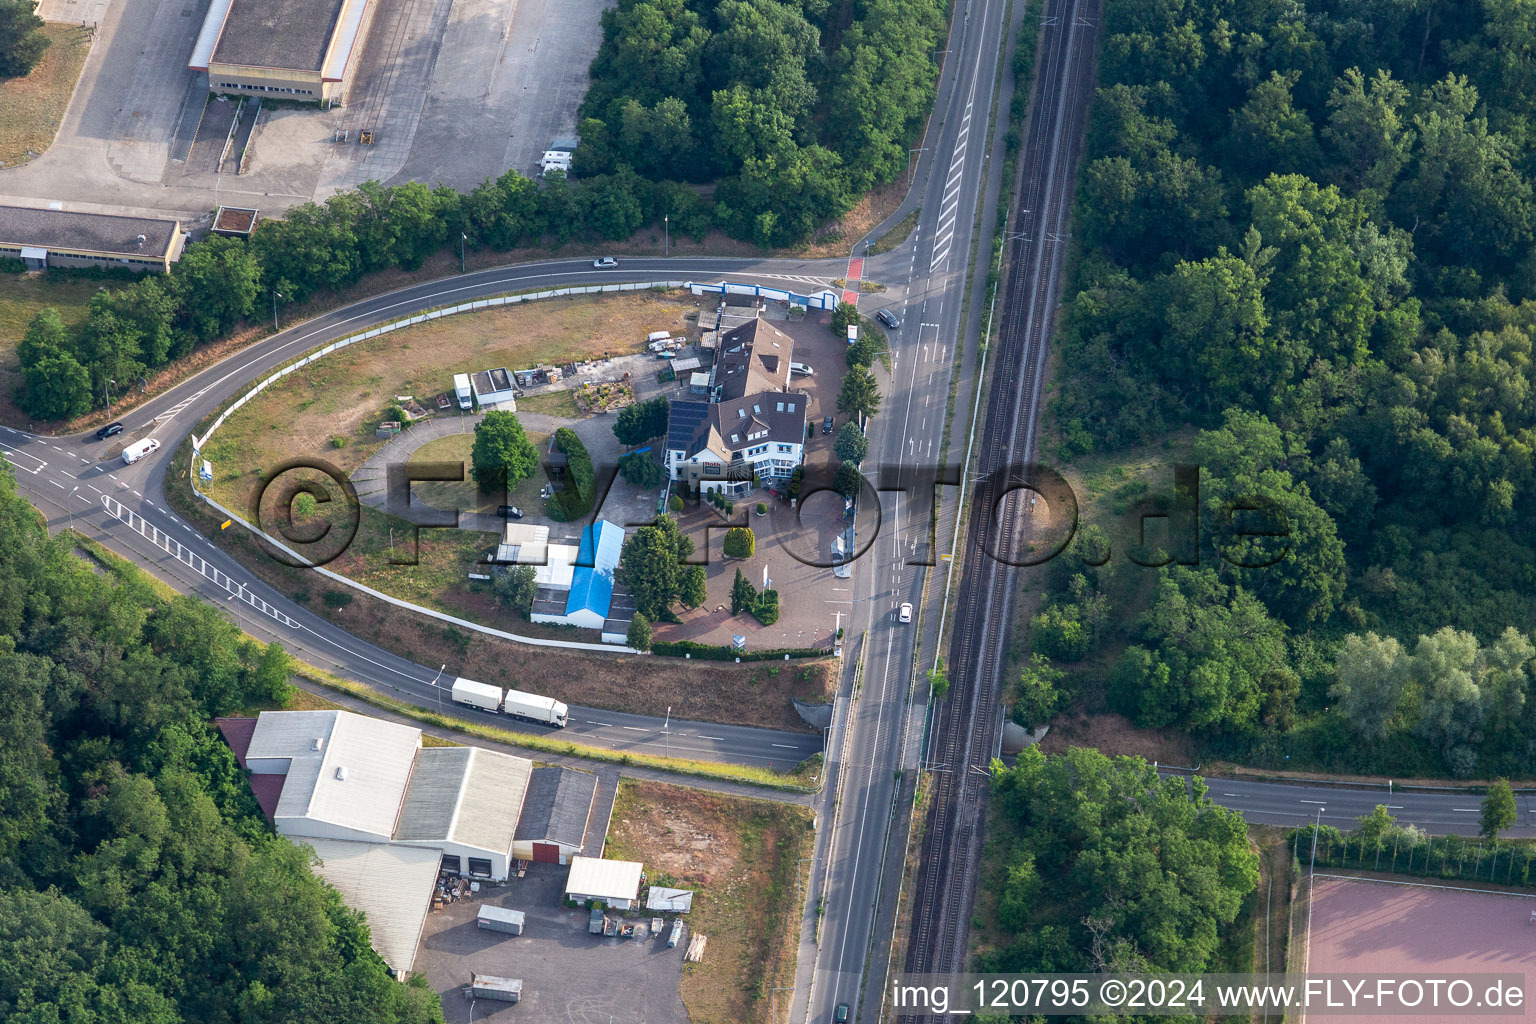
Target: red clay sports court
(1420,930)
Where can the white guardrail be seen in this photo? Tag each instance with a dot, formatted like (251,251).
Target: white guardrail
(198,443)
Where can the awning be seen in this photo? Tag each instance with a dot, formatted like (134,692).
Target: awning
(33,252)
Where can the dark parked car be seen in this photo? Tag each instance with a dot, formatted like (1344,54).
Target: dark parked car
(826,425)
(888,318)
(110,430)
(509,512)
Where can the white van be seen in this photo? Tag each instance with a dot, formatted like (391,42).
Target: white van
(139,449)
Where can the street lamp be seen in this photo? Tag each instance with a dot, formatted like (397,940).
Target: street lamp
(69,503)
(107,394)
(666,233)
(275,296)
(666,731)
(462,239)
(439,689)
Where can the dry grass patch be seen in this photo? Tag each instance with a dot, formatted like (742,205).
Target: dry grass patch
(343,396)
(31,107)
(742,857)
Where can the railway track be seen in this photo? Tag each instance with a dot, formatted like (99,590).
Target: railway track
(967,731)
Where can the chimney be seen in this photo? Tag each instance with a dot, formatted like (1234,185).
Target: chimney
(341,773)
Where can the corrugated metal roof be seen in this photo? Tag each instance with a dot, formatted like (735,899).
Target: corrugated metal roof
(391,884)
(377,757)
(464,795)
(676,901)
(604,879)
(556,808)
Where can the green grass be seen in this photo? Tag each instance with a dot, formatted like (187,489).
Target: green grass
(560,404)
(897,235)
(464,495)
(23,296)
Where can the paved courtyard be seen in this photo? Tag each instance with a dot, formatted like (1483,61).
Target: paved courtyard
(569,976)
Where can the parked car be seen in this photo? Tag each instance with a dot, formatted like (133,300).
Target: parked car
(803,369)
(509,512)
(605,263)
(888,318)
(110,430)
(826,425)
(905,615)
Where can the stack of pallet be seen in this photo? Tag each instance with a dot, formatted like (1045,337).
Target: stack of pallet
(695,948)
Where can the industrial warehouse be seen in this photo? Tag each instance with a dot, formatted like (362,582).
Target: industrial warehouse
(43,238)
(388,818)
(300,49)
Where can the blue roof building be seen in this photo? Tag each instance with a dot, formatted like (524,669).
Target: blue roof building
(591,594)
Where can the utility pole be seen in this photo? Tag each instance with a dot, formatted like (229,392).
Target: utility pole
(275,296)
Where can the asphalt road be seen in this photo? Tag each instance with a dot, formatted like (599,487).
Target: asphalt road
(68,479)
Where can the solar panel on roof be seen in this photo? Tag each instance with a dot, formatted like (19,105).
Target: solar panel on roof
(684,421)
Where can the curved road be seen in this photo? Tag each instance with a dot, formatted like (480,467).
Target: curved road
(69,478)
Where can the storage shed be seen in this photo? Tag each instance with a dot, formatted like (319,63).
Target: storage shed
(615,882)
(555,813)
(500,919)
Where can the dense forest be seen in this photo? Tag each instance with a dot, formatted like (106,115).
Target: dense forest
(1101,865)
(796,107)
(1304,264)
(138,879)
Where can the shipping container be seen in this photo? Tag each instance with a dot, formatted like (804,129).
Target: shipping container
(477,695)
(488,986)
(531,706)
(498,919)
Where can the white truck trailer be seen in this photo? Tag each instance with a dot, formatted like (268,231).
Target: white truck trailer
(488,986)
(477,695)
(461,390)
(544,710)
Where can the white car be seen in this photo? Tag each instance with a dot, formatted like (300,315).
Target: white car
(606,263)
(905,615)
(803,369)
(140,449)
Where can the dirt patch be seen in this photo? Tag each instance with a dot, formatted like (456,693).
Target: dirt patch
(1114,734)
(742,859)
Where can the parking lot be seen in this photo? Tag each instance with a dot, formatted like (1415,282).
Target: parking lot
(569,976)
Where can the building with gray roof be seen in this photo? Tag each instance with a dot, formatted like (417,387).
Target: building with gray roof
(42,238)
(555,813)
(295,49)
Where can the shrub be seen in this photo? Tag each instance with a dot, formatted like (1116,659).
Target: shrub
(340,442)
(337,598)
(762,508)
(743,594)
(714,652)
(739,542)
(675,503)
(767,607)
(639,634)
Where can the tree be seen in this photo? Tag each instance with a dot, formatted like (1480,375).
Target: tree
(515,587)
(1366,129)
(22,41)
(1059,632)
(638,635)
(845,315)
(860,394)
(847,480)
(1140,870)
(743,594)
(766,608)
(641,469)
(870,346)
(651,566)
(638,423)
(739,542)
(501,455)
(1498,810)
(215,283)
(691,585)
(55,387)
(850,445)
(1039,692)
(1371,675)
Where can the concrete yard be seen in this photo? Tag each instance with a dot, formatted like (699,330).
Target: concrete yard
(569,976)
(455,91)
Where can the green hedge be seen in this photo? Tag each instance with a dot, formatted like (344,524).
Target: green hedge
(712,652)
(575,499)
(1400,852)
